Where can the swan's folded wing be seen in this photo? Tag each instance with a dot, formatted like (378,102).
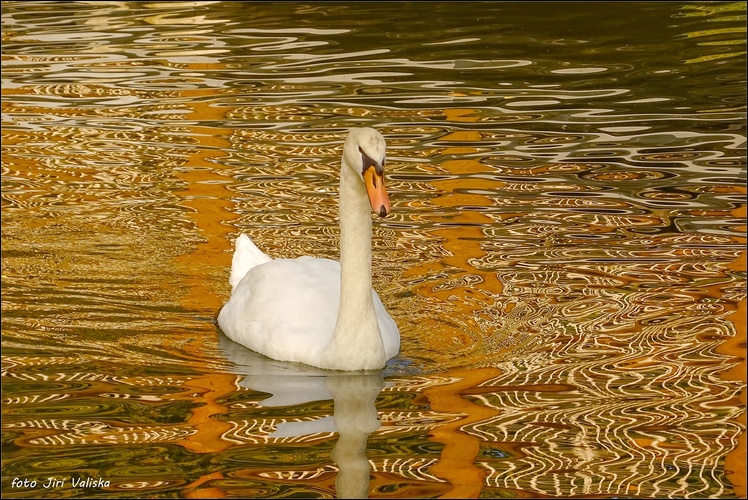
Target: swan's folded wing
(285,309)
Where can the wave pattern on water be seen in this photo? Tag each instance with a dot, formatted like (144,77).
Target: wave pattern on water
(563,257)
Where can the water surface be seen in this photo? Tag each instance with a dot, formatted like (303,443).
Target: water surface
(565,258)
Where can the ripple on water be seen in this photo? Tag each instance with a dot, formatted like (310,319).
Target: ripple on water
(563,257)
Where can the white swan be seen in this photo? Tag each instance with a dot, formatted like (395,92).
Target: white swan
(293,309)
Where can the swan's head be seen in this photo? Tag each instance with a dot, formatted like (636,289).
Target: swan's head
(364,152)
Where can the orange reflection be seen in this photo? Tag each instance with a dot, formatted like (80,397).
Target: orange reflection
(461,233)
(206,389)
(463,236)
(207,195)
(194,490)
(457,461)
(735,462)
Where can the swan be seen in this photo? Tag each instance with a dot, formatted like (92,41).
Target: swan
(317,311)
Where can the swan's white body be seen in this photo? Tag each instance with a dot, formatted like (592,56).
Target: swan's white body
(293,309)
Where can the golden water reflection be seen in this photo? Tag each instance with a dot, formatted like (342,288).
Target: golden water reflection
(565,258)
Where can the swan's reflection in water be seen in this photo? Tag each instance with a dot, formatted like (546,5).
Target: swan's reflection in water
(291,384)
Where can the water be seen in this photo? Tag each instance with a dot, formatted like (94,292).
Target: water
(565,258)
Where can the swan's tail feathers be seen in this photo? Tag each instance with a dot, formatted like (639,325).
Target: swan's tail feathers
(246,256)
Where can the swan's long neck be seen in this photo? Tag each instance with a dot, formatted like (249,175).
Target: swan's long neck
(356,337)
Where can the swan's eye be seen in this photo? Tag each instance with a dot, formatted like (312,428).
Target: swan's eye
(368,161)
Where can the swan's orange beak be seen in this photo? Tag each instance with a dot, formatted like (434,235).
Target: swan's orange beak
(374,181)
